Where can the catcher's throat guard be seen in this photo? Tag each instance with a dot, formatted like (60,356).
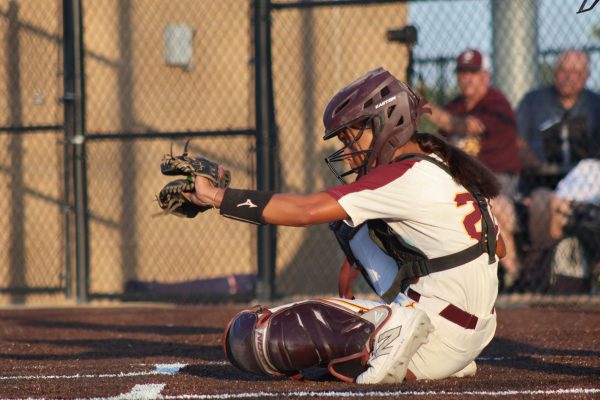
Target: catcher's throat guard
(308,334)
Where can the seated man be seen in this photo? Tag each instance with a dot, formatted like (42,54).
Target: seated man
(558,124)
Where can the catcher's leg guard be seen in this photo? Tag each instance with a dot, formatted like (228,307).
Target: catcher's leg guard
(394,344)
(302,335)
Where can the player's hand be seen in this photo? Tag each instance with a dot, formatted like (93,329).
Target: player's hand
(205,193)
(203,181)
(346,278)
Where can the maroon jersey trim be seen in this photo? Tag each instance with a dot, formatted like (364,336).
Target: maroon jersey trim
(377,178)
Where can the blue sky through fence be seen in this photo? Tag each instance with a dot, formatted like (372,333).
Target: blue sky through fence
(448,27)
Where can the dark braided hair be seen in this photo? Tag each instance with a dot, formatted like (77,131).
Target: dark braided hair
(465,169)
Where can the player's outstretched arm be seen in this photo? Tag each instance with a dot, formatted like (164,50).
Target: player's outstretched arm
(260,207)
(298,210)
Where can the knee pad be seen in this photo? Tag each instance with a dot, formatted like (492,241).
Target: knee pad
(302,335)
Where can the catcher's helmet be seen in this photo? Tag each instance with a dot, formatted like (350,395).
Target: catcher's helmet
(380,101)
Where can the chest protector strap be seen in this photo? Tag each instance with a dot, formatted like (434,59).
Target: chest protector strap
(412,262)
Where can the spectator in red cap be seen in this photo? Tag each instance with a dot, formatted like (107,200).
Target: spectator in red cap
(481,121)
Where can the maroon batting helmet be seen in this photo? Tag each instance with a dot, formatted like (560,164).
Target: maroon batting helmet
(379,101)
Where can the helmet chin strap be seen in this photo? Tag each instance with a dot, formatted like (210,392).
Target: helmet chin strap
(373,159)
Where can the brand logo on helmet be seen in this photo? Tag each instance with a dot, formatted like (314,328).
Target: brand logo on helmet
(383,103)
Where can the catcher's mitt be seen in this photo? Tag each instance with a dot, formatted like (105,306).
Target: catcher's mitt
(192,166)
(171,199)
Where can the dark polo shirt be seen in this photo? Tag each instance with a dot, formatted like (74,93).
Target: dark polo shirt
(498,143)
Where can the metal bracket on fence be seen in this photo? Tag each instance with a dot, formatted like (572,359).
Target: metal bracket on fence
(68,96)
(77,139)
(67,208)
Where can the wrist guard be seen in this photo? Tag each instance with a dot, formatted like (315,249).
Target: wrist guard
(245,205)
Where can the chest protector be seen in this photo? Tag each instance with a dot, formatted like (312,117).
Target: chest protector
(412,262)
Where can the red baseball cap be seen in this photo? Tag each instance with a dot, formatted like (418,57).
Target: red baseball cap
(472,60)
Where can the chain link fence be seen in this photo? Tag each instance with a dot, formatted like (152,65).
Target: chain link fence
(156,73)
(33,245)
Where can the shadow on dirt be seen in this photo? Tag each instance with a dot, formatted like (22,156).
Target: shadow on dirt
(229,372)
(105,348)
(165,329)
(520,355)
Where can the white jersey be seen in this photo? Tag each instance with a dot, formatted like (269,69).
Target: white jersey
(422,204)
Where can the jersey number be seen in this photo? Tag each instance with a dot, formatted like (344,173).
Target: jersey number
(471,219)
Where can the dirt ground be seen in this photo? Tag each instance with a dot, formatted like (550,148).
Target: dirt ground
(175,352)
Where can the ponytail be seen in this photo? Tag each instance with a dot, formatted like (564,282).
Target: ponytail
(465,169)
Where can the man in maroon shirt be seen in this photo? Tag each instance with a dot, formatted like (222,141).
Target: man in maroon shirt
(481,122)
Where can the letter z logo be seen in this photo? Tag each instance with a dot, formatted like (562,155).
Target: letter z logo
(384,342)
(247,203)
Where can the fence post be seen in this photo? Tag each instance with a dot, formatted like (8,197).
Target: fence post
(266,144)
(515,37)
(74,137)
(17,264)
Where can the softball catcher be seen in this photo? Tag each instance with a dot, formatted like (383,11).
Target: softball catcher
(414,221)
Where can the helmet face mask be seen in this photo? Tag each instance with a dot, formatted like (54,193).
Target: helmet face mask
(341,161)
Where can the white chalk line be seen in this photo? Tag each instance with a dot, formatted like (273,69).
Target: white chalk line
(540,356)
(396,393)
(139,392)
(152,391)
(159,369)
